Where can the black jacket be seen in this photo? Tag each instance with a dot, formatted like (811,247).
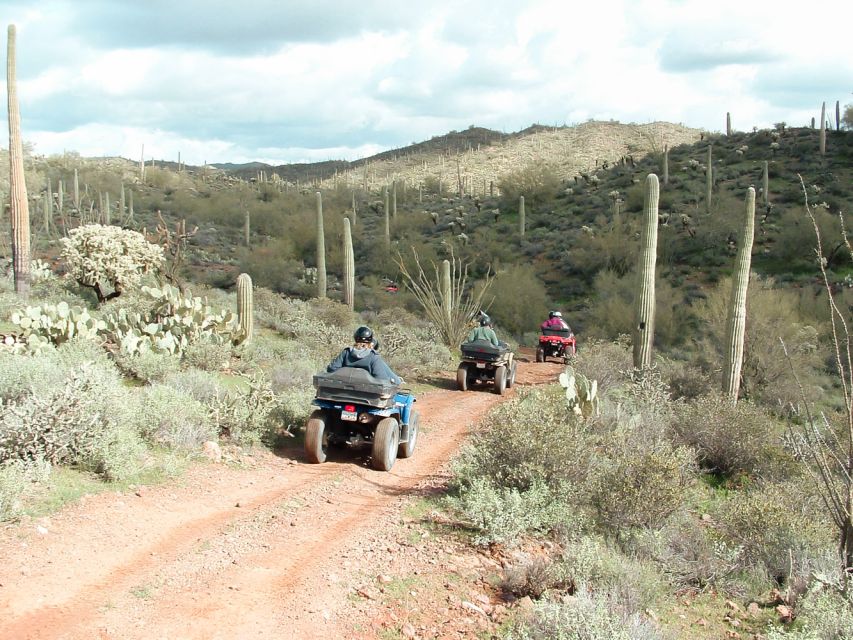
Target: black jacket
(364,359)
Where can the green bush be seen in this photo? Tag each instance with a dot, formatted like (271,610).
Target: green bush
(520,301)
(823,614)
(16,477)
(172,417)
(207,355)
(538,182)
(149,366)
(731,439)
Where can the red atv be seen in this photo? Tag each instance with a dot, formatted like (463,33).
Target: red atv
(555,343)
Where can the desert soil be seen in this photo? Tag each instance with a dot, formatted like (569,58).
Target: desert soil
(268,548)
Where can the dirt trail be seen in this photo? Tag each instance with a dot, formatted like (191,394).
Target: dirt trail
(268,550)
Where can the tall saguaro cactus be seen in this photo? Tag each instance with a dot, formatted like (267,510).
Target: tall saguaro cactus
(838,115)
(822,133)
(736,320)
(321,249)
(387,222)
(644,323)
(666,164)
(19,208)
(349,267)
(728,123)
(521,216)
(394,199)
(765,184)
(245,306)
(446,292)
(709,179)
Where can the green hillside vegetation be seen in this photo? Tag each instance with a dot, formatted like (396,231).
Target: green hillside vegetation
(655,490)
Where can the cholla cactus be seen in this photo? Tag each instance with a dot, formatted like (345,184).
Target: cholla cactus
(98,255)
(581,392)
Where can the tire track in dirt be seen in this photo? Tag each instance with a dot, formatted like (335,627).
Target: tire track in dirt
(185,562)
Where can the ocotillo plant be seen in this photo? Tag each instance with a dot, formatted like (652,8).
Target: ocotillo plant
(728,123)
(709,180)
(245,306)
(321,249)
(19,208)
(349,267)
(521,215)
(644,323)
(736,321)
(822,133)
(765,184)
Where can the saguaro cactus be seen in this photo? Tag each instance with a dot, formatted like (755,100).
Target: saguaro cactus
(822,133)
(354,209)
(387,222)
(709,180)
(394,199)
(349,267)
(521,216)
(321,249)
(446,292)
(644,323)
(76,191)
(666,164)
(736,321)
(765,184)
(19,208)
(247,228)
(245,306)
(838,115)
(728,123)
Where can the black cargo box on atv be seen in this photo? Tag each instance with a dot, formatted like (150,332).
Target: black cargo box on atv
(351,384)
(563,333)
(483,350)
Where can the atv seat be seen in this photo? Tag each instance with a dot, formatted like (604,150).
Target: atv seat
(483,350)
(562,333)
(352,384)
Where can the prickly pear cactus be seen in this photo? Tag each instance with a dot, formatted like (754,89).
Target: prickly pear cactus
(55,324)
(581,392)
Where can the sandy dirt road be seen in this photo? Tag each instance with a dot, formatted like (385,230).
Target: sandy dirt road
(268,549)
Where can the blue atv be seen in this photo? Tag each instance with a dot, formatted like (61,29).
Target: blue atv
(354,409)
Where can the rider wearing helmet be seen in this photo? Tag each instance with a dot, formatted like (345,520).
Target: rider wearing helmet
(555,321)
(484,331)
(363,356)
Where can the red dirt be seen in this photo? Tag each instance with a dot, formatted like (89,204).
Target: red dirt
(273,548)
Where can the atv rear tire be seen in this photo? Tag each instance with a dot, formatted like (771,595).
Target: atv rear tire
(540,354)
(315,435)
(511,378)
(500,380)
(462,378)
(386,441)
(406,449)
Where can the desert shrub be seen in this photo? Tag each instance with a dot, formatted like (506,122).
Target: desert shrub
(22,374)
(585,616)
(604,361)
(731,439)
(531,439)
(16,477)
(297,319)
(172,417)
(99,256)
(503,514)
(149,366)
(640,485)
(538,182)
(207,355)
(413,351)
(533,577)
(683,379)
(778,529)
(520,302)
(290,411)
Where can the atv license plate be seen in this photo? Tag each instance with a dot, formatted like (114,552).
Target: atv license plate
(481,365)
(351,416)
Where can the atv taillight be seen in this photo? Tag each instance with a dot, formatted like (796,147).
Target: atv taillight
(349,407)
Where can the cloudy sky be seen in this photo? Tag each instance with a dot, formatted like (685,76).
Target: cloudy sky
(300,81)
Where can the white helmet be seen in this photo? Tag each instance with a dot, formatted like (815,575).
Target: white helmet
(555,314)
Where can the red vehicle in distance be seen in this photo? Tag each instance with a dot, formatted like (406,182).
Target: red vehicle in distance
(556,343)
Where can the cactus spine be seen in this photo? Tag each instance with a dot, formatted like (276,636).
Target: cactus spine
(349,267)
(245,306)
(765,184)
(19,208)
(666,164)
(709,180)
(321,249)
(736,322)
(728,123)
(644,324)
(822,134)
(521,215)
(446,292)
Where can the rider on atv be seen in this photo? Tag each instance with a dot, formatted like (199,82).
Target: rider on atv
(484,331)
(555,321)
(363,356)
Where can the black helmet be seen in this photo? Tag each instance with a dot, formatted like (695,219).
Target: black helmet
(363,334)
(485,320)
